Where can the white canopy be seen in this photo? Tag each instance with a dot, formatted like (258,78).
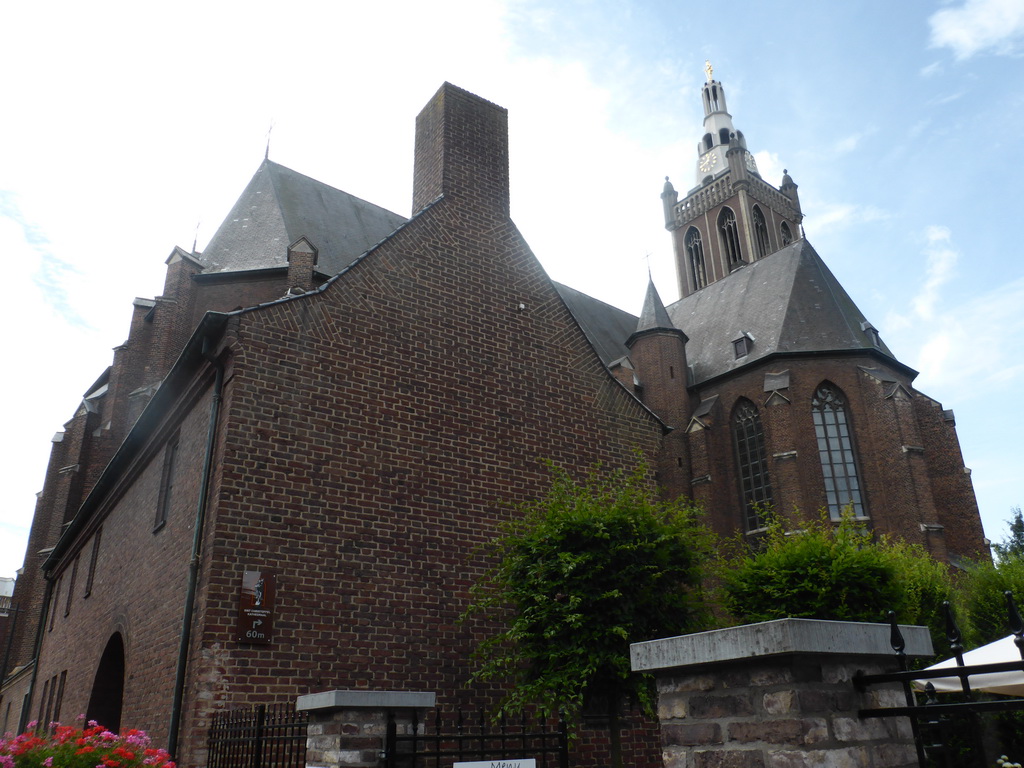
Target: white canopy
(1009,683)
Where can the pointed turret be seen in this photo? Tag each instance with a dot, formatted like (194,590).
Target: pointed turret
(669,198)
(654,316)
(788,188)
(658,351)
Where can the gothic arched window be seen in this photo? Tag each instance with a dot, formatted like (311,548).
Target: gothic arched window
(695,255)
(835,449)
(752,463)
(723,135)
(730,235)
(708,142)
(760,233)
(787,236)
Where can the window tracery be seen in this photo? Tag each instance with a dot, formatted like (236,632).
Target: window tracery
(752,464)
(760,233)
(695,256)
(835,450)
(730,235)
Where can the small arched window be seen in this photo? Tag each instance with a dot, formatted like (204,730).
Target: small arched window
(708,141)
(730,236)
(787,235)
(835,449)
(760,233)
(723,135)
(752,464)
(695,256)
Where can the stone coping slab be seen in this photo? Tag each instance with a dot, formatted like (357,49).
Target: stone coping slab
(773,638)
(366,700)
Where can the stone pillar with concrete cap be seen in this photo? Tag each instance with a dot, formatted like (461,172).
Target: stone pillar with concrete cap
(347,728)
(779,694)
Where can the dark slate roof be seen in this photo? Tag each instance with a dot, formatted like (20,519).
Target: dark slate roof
(653,315)
(278,207)
(605,326)
(787,302)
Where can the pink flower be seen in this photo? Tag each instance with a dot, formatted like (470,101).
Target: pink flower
(48,762)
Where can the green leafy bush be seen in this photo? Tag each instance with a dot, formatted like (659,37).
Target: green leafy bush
(586,570)
(982,602)
(829,570)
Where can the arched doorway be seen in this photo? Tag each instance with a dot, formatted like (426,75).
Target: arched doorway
(108,687)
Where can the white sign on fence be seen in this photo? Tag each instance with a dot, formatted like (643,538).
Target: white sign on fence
(528,763)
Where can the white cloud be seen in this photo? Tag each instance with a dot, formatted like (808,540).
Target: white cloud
(979,25)
(825,218)
(849,143)
(938,101)
(919,127)
(942,258)
(769,166)
(940,262)
(965,346)
(932,69)
(961,346)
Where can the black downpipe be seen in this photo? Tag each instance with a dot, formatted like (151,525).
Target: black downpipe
(193,566)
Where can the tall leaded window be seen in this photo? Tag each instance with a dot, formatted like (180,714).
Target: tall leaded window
(695,255)
(787,235)
(730,235)
(752,462)
(760,233)
(835,449)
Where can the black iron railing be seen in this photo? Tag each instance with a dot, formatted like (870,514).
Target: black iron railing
(264,736)
(441,743)
(930,720)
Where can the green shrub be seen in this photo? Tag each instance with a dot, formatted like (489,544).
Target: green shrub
(981,607)
(589,568)
(829,570)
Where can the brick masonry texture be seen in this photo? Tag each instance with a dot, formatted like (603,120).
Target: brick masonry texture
(372,436)
(374,433)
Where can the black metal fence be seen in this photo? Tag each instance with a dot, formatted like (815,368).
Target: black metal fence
(264,736)
(441,743)
(939,741)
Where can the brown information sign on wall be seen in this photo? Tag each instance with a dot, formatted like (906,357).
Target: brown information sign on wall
(256,607)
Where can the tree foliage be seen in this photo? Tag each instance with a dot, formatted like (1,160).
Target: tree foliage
(1012,545)
(982,589)
(587,569)
(981,607)
(828,570)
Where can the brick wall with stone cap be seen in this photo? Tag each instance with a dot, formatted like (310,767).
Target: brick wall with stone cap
(779,694)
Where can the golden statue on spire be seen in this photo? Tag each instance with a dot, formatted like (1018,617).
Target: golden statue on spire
(707,69)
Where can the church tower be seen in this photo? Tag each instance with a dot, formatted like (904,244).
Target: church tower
(732,217)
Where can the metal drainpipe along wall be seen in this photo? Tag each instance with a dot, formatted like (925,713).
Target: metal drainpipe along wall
(193,567)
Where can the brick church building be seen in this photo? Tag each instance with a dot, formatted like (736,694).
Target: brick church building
(329,409)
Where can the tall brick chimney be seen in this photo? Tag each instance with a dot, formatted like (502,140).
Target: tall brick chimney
(461,150)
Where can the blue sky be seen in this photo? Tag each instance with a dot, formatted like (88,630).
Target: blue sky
(901,122)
